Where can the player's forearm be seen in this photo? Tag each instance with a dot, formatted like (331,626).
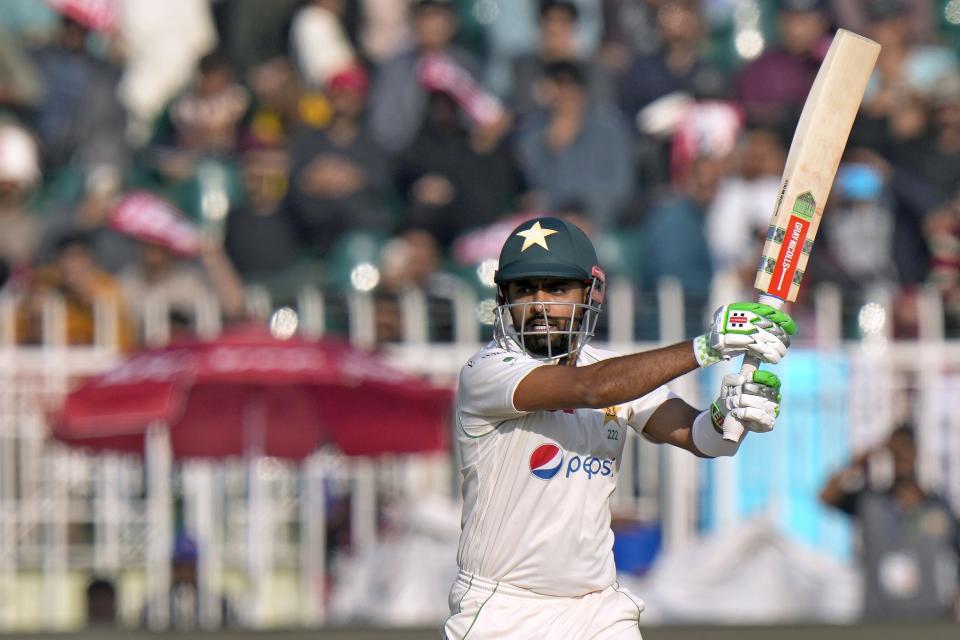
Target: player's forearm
(626,378)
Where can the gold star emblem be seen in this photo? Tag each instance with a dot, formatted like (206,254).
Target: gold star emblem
(610,415)
(535,235)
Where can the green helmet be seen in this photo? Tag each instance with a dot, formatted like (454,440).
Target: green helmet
(548,248)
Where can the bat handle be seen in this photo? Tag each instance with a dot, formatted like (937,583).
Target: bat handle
(732,428)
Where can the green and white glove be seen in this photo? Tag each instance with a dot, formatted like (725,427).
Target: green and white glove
(745,328)
(755,403)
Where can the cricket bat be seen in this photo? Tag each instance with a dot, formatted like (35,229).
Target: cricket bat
(812,161)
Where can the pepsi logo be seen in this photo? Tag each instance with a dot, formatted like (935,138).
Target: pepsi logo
(545,461)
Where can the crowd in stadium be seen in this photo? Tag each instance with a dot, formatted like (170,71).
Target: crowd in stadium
(200,147)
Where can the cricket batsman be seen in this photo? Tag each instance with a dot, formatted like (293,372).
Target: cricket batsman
(542,417)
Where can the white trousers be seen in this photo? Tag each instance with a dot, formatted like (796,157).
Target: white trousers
(486,610)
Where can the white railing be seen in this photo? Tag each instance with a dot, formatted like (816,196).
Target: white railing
(65,513)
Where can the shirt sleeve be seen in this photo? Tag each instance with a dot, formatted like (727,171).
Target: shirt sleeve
(487,384)
(640,410)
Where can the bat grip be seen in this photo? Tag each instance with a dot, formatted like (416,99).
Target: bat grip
(732,428)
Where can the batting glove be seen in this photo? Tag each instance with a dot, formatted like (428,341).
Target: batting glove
(745,328)
(755,403)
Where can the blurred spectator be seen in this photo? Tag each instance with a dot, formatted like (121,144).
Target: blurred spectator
(79,119)
(893,205)
(21,87)
(162,43)
(674,243)
(261,240)
(19,175)
(739,214)
(906,74)
(511,31)
(942,229)
(677,67)
(556,43)
(385,28)
(412,261)
(206,118)
(629,27)
(192,157)
(166,280)
(76,277)
(186,598)
(339,175)
(858,234)
(319,42)
(101,604)
(253,31)
(576,150)
(658,87)
(855,16)
(932,152)
(453,179)
(910,539)
(112,251)
(773,88)
(276,101)
(399,101)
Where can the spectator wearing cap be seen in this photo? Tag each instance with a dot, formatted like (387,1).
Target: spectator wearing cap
(173,278)
(774,87)
(556,42)
(339,175)
(575,150)
(398,100)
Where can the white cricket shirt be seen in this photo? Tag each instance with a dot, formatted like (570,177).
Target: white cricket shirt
(537,485)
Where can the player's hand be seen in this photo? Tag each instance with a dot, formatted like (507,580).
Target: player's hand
(755,403)
(746,328)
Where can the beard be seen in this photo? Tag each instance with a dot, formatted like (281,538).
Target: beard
(543,344)
(552,341)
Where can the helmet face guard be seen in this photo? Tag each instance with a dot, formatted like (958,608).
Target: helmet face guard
(548,343)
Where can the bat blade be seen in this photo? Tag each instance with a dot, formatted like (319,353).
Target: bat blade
(818,144)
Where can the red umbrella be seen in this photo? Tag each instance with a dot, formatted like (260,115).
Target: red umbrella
(247,392)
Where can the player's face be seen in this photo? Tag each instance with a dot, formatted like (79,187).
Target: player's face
(545,309)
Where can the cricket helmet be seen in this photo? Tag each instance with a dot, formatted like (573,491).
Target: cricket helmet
(548,247)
